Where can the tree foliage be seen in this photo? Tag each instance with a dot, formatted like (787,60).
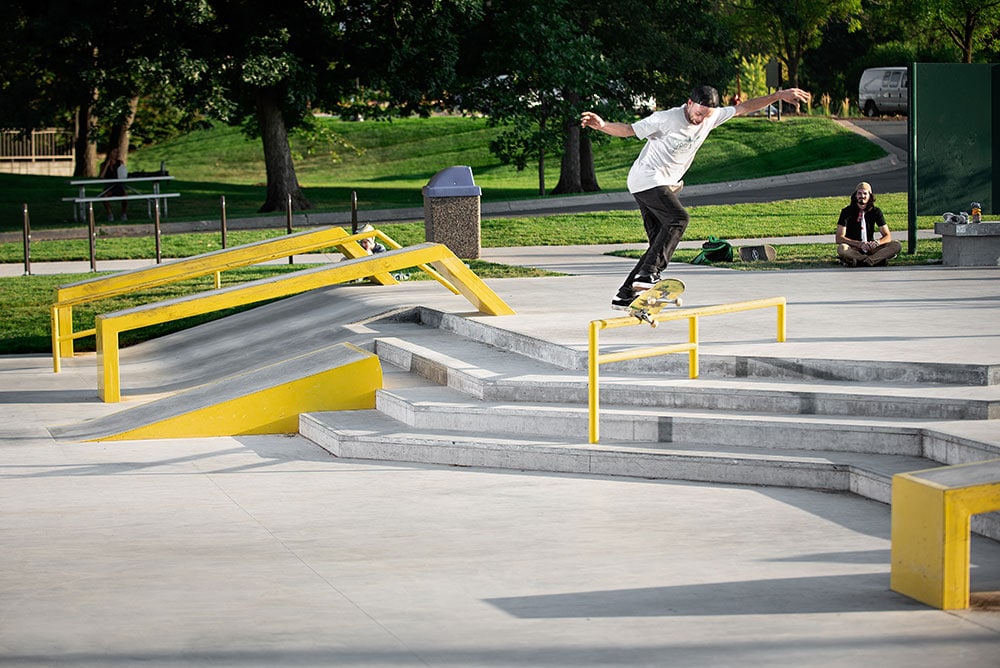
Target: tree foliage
(542,66)
(786,29)
(973,26)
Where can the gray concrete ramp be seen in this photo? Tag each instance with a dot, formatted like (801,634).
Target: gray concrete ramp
(263,400)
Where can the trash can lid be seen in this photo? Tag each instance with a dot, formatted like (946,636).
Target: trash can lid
(453,182)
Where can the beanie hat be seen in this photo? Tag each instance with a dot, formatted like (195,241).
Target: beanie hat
(706,96)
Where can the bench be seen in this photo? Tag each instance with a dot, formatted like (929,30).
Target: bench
(931,526)
(81,198)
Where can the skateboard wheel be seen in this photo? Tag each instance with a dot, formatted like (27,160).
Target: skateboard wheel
(679,302)
(654,324)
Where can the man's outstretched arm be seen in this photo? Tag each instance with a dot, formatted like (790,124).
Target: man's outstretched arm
(791,95)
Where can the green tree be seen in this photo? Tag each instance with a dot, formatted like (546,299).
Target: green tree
(533,70)
(971,25)
(84,63)
(268,67)
(534,67)
(786,29)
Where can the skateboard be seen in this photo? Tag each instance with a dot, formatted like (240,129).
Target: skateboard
(651,300)
(757,253)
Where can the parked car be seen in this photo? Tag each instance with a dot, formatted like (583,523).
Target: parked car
(884,90)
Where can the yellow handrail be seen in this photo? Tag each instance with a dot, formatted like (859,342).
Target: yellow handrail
(595,358)
(214,262)
(110,325)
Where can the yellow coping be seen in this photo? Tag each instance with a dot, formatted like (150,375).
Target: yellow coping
(110,325)
(124,282)
(270,409)
(595,358)
(931,517)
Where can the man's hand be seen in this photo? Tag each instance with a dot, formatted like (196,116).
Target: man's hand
(794,95)
(589,119)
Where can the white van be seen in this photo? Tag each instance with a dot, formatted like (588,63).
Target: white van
(884,90)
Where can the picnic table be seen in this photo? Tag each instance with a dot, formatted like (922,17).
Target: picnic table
(82,198)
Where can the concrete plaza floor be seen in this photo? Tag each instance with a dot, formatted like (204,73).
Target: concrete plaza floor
(267,551)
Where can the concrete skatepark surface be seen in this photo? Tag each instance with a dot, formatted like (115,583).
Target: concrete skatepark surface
(268,551)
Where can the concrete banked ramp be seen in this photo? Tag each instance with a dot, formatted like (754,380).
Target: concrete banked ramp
(263,400)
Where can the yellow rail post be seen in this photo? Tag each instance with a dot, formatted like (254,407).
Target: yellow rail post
(593,395)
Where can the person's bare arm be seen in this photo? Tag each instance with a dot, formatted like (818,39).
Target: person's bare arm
(589,119)
(791,95)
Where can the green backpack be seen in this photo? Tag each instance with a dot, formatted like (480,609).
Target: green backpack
(714,250)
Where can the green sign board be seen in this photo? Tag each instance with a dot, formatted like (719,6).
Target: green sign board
(954,127)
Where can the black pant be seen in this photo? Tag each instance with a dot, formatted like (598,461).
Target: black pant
(665,220)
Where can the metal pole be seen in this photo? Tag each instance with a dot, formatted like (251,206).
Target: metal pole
(93,236)
(911,161)
(27,242)
(156,227)
(354,212)
(288,210)
(222,205)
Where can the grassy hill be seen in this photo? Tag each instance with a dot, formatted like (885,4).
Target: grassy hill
(388,162)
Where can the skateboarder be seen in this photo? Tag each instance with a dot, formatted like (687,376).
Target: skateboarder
(856,242)
(673,137)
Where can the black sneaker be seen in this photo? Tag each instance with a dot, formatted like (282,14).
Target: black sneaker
(644,282)
(622,299)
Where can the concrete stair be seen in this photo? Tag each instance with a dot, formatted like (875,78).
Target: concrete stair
(462,394)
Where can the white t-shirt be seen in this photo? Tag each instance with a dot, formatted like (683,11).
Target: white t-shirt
(671,144)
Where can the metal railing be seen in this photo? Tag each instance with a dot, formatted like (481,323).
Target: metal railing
(595,358)
(37,145)
(101,287)
(461,280)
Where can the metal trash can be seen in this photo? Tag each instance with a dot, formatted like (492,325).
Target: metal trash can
(452,211)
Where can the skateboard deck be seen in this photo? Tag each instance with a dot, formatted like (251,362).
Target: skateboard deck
(758,253)
(651,301)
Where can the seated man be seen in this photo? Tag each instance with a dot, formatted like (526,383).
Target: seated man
(856,242)
(369,243)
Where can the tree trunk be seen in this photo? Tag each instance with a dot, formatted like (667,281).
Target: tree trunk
(569,171)
(541,157)
(85,162)
(588,176)
(121,131)
(281,179)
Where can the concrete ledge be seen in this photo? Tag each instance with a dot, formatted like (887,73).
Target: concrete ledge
(931,517)
(970,245)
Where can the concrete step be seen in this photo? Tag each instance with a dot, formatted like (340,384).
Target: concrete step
(493,374)
(714,365)
(370,434)
(441,408)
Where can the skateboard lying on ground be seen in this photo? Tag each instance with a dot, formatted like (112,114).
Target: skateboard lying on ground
(758,253)
(651,300)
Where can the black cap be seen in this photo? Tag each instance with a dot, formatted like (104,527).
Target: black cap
(706,96)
